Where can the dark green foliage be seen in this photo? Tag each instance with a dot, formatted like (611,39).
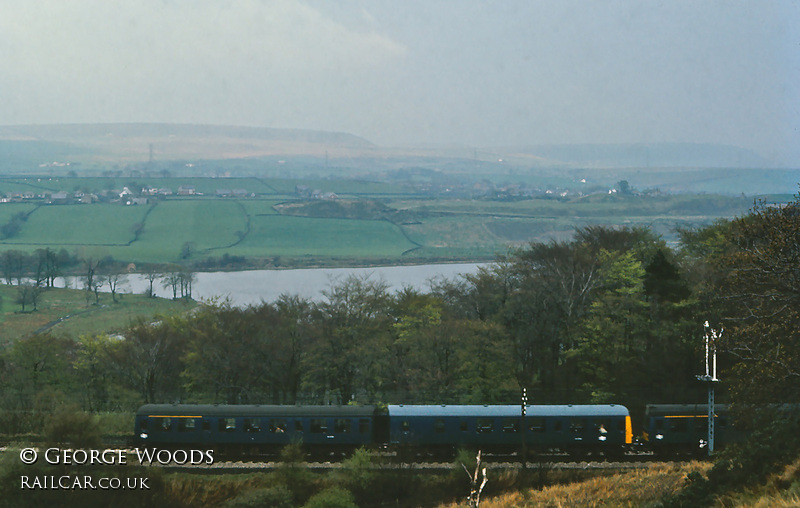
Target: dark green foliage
(334,497)
(277,496)
(663,280)
(293,473)
(757,295)
(70,426)
(14,225)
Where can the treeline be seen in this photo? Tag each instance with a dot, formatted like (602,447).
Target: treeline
(37,272)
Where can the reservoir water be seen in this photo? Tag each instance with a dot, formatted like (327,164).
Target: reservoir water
(253,286)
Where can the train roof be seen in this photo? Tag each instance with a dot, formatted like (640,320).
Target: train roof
(508,411)
(252,410)
(683,409)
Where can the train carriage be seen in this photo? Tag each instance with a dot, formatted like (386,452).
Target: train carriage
(255,428)
(581,428)
(683,428)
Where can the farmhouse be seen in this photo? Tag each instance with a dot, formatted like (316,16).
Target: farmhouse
(59,198)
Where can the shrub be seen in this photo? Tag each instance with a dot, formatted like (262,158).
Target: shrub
(69,425)
(334,497)
(277,496)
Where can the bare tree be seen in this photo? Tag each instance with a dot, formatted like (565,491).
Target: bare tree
(151,275)
(90,266)
(171,279)
(115,281)
(14,265)
(186,278)
(475,490)
(28,294)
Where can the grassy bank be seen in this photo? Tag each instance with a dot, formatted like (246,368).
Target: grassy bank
(69,312)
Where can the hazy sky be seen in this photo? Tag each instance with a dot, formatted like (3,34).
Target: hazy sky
(477,73)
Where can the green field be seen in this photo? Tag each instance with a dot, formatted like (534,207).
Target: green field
(277,235)
(78,225)
(368,222)
(7,210)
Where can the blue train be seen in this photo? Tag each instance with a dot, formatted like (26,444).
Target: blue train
(257,429)
(683,428)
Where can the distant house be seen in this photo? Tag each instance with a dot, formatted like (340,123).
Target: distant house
(241,193)
(186,190)
(139,201)
(164,191)
(328,196)
(59,198)
(223,192)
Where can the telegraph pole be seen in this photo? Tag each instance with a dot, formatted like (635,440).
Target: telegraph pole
(710,377)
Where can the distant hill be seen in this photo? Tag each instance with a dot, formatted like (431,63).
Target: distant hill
(643,155)
(28,147)
(134,141)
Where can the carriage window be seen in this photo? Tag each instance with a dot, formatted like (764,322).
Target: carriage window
(252,425)
(404,426)
(277,425)
(319,426)
(464,426)
(438,425)
(206,425)
(144,423)
(298,425)
(659,424)
(186,425)
(510,425)
(227,424)
(484,425)
(342,426)
(601,427)
(577,425)
(557,426)
(363,426)
(620,425)
(536,425)
(677,425)
(163,424)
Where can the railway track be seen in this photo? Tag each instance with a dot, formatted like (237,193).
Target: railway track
(249,467)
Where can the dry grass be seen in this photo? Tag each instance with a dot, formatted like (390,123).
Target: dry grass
(635,488)
(781,491)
